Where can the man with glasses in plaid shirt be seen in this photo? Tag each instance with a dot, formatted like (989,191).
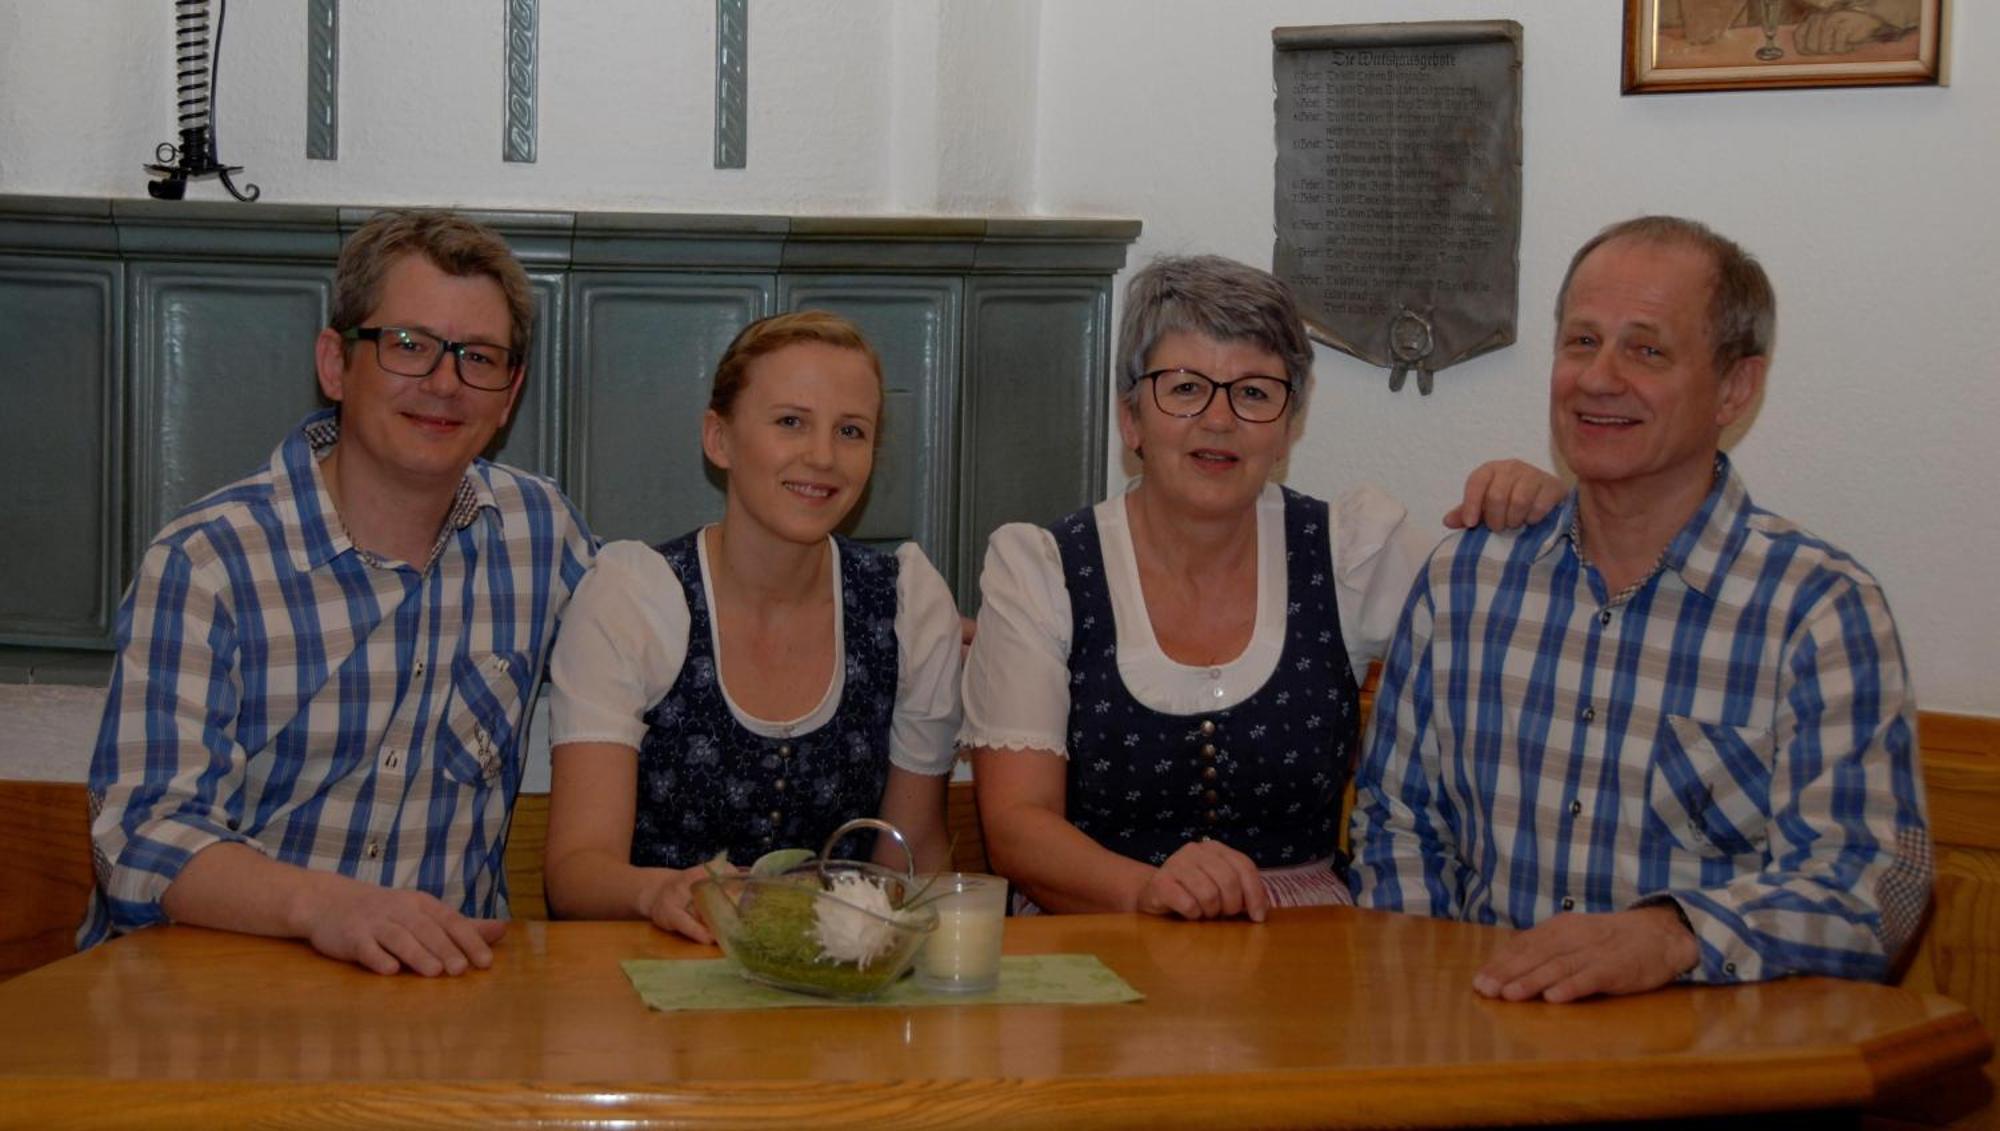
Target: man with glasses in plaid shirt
(315,723)
(1662,733)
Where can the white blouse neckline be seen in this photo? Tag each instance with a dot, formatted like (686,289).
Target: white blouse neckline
(1157,679)
(821,714)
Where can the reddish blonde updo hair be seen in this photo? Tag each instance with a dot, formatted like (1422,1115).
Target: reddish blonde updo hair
(769,335)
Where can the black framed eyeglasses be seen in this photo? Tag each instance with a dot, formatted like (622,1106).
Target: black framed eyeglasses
(409,352)
(1255,399)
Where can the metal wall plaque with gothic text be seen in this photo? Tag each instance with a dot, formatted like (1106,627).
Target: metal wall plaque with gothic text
(1399,188)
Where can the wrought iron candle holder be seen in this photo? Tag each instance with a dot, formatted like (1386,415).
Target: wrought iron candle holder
(197,67)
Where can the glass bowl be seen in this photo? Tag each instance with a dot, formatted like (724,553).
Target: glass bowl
(817,928)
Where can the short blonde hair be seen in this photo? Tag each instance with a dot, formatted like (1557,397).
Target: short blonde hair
(768,335)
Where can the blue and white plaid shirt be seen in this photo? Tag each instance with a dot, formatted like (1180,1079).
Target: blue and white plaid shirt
(279,688)
(1737,733)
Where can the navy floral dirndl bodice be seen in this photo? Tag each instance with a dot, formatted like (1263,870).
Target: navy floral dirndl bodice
(1264,776)
(708,783)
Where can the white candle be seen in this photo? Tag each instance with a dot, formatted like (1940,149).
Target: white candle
(963,953)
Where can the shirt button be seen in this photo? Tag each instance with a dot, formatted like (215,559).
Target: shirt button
(1209,817)
(776,816)
(1208,726)
(1215,673)
(1208,797)
(1604,617)
(419,669)
(391,757)
(785,751)
(1588,714)
(1575,808)
(1569,904)
(1208,753)
(779,785)
(373,849)
(501,663)
(1729,968)
(1219,693)
(767,842)
(1208,774)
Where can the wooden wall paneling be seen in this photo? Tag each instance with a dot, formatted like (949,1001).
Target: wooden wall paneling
(1032,409)
(533,439)
(63,322)
(913,323)
(643,346)
(222,367)
(206,360)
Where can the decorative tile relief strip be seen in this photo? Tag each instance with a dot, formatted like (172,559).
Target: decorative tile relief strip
(519,143)
(732,83)
(323,80)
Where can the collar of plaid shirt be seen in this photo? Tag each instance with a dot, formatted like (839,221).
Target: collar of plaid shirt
(300,491)
(1701,553)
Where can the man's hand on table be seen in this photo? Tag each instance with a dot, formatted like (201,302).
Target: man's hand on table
(392,929)
(1574,956)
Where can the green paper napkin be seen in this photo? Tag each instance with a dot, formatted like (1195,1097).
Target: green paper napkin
(1025,979)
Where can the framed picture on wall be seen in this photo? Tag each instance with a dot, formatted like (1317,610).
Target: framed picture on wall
(1674,45)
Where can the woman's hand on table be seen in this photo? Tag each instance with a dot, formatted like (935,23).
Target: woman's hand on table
(1505,494)
(668,901)
(1205,879)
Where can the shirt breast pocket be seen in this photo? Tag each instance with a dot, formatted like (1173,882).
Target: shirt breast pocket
(1710,786)
(478,740)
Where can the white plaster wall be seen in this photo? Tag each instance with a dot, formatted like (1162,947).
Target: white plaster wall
(1872,209)
(625,104)
(962,105)
(1881,428)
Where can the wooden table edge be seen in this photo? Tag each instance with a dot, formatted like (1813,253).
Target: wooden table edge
(1533,1092)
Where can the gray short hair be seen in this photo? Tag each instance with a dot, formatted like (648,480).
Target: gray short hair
(1216,297)
(1742,307)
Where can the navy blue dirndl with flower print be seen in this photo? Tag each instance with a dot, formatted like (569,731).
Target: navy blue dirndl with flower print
(708,783)
(1264,776)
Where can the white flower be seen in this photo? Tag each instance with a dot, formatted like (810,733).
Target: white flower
(848,932)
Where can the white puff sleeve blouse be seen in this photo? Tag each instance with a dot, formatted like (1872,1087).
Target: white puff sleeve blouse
(1017,676)
(624,637)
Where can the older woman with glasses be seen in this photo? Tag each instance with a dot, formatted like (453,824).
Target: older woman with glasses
(1161,699)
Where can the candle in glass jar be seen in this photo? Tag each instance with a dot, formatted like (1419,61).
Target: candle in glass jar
(963,953)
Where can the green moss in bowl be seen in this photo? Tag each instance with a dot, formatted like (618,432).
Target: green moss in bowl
(797,932)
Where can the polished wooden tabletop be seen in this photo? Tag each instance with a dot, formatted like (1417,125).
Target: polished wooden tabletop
(1318,1017)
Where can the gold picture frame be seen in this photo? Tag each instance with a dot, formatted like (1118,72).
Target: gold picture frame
(1685,45)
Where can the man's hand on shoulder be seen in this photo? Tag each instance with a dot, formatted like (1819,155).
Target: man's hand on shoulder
(1574,956)
(391,929)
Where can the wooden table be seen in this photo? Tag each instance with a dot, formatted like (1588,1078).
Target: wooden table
(1330,1017)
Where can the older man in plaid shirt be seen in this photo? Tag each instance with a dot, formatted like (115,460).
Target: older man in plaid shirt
(1663,733)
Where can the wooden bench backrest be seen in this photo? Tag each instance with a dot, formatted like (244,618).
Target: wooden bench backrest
(45,873)
(45,879)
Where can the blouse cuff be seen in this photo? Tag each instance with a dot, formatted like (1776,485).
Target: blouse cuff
(1012,740)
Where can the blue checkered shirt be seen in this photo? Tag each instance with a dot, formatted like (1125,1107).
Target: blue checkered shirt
(279,688)
(1736,733)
